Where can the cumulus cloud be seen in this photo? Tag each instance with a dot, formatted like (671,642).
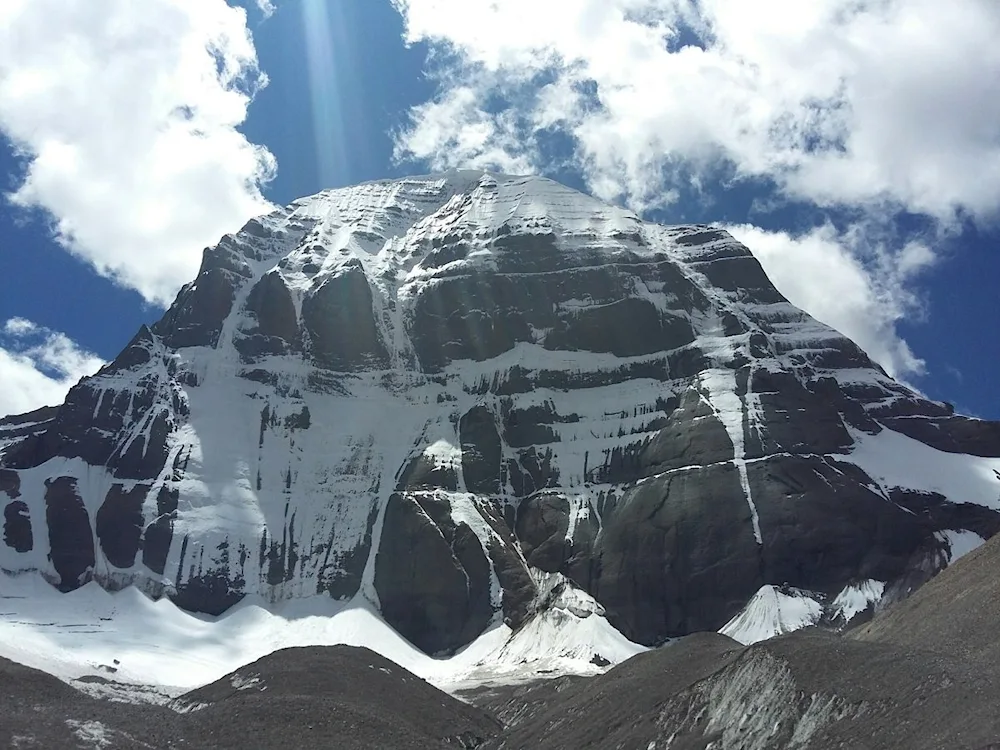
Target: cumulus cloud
(480,141)
(839,102)
(126,115)
(868,109)
(38,366)
(848,281)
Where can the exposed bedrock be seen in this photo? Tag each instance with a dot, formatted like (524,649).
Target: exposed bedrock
(480,316)
(482,452)
(431,574)
(201,307)
(439,392)
(272,324)
(119,524)
(17,527)
(340,323)
(71,541)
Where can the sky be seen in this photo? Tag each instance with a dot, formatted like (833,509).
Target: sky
(852,145)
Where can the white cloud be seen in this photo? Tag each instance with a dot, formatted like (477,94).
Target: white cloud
(838,101)
(266,7)
(820,272)
(127,113)
(873,107)
(455,131)
(38,366)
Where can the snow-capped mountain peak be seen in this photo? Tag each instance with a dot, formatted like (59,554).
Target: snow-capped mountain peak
(430,394)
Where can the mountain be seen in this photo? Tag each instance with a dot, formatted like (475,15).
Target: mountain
(468,399)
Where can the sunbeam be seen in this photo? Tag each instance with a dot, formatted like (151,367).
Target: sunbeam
(323,30)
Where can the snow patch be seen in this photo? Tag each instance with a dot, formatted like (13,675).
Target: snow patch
(444,454)
(856,598)
(163,651)
(773,611)
(960,542)
(895,460)
(92,734)
(568,634)
(728,408)
(244,682)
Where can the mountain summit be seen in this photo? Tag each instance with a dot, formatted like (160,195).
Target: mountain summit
(471,398)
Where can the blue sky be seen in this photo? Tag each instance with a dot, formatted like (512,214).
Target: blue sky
(852,146)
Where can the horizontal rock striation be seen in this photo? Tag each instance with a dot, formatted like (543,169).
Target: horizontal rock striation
(426,392)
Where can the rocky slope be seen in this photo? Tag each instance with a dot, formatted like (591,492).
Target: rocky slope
(811,689)
(922,675)
(443,394)
(338,696)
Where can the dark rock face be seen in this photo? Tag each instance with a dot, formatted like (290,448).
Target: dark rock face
(275,326)
(281,556)
(677,555)
(740,274)
(211,593)
(781,395)
(954,434)
(482,452)
(102,422)
(431,575)
(144,456)
(423,473)
(342,569)
(444,329)
(511,309)
(119,524)
(17,527)
(18,427)
(196,317)
(542,523)
(340,322)
(846,523)
(10,483)
(158,534)
(518,588)
(467,384)
(204,583)
(691,436)
(136,353)
(70,536)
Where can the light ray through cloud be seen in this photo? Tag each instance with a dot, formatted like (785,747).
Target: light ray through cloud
(322,27)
